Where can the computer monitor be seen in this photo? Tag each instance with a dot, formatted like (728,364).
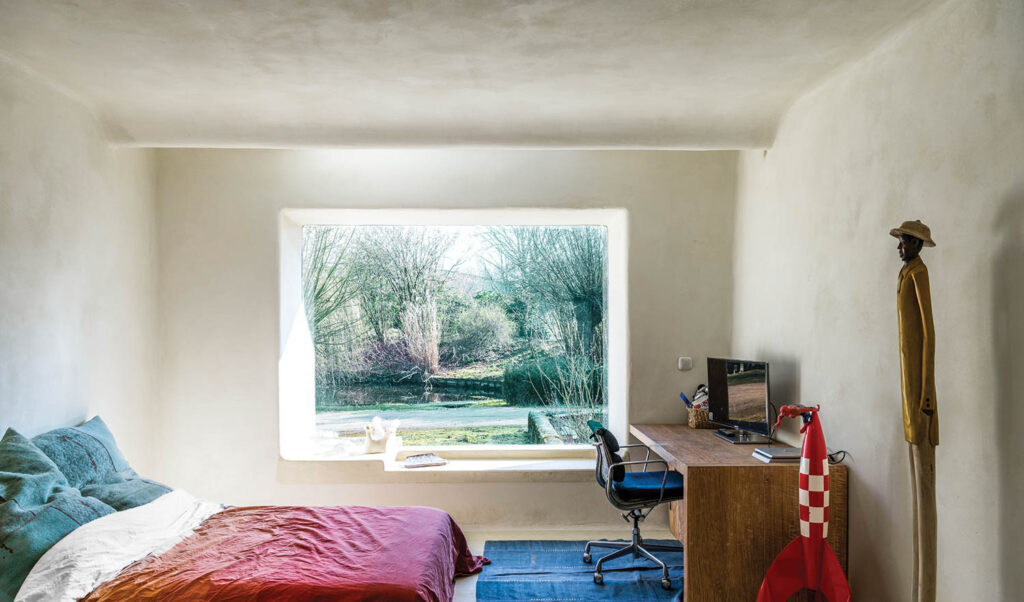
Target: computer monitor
(738,398)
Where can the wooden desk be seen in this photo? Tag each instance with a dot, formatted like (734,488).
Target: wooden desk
(738,512)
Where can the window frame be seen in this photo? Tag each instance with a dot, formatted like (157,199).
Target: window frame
(296,380)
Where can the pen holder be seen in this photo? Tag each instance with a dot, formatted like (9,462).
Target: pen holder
(698,419)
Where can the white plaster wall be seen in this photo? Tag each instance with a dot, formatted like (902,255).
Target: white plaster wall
(218,228)
(77,269)
(929,126)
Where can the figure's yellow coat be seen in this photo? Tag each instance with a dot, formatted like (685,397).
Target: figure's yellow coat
(917,354)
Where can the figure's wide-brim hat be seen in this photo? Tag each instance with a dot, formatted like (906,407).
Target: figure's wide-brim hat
(915,229)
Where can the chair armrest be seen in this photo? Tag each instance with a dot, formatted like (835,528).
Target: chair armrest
(664,477)
(646,458)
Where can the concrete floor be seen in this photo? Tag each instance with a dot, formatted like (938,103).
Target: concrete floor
(465,588)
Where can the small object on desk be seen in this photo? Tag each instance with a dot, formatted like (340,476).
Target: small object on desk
(700,397)
(686,400)
(698,419)
(772,455)
(697,415)
(738,436)
(422,460)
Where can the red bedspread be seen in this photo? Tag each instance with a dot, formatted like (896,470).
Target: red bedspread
(287,553)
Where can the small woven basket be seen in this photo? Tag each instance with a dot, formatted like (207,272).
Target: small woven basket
(699,419)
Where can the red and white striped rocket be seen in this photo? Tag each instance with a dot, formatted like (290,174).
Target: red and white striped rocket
(808,561)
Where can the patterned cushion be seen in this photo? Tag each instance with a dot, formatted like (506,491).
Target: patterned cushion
(90,459)
(128,493)
(37,509)
(26,474)
(86,454)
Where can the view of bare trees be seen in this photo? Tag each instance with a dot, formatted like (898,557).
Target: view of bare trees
(422,329)
(563,269)
(514,314)
(330,280)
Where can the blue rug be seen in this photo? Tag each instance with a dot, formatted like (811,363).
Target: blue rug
(554,571)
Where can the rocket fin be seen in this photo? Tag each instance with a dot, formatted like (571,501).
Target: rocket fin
(833,580)
(785,576)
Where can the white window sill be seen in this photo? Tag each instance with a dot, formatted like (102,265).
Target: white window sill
(462,458)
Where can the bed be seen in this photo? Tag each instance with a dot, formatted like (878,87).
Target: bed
(164,544)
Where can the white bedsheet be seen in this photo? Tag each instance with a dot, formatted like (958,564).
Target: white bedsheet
(97,551)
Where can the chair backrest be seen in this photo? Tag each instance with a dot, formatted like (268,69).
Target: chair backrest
(607,454)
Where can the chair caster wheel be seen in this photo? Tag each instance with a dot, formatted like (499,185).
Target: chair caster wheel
(587,559)
(598,578)
(666,584)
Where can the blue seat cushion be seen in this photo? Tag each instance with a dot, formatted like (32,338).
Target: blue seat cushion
(646,486)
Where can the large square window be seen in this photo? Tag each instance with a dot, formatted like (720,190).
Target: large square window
(467,327)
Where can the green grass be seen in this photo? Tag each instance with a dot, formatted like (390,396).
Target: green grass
(484,402)
(492,370)
(494,435)
(750,376)
(488,403)
(475,371)
(468,435)
(376,407)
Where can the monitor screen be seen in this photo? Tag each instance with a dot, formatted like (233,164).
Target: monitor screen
(738,394)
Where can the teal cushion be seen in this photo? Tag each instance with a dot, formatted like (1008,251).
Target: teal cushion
(90,459)
(86,454)
(26,474)
(37,509)
(128,493)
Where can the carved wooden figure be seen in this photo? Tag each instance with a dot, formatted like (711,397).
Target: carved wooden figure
(920,414)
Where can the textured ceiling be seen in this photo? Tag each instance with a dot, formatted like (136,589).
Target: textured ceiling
(549,73)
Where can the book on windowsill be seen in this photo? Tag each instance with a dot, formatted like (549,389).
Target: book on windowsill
(772,455)
(422,460)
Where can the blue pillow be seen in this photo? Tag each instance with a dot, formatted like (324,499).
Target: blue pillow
(26,474)
(86,454)
(128,493)
(89,458)
(37,509)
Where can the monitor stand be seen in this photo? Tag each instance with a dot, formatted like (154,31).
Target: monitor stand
(737,436)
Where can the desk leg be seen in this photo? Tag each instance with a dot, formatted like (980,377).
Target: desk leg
(676,512)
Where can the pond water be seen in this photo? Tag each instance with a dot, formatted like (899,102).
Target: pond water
(372,395)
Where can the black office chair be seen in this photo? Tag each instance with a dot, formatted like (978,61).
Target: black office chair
(633,492)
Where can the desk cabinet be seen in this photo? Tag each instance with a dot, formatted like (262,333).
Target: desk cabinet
(738,512)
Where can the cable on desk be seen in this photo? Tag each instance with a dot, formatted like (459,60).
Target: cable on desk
(841,455)
(773,414)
